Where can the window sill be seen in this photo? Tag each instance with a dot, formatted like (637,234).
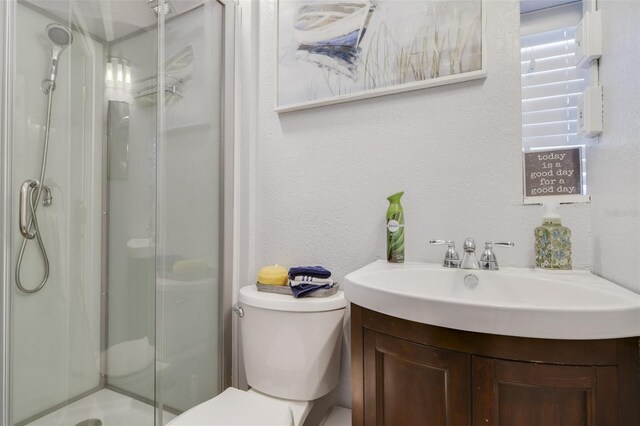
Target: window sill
(562,199)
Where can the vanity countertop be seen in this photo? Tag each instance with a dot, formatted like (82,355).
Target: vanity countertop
(523,302)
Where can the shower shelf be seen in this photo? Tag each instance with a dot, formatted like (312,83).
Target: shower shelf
(146,90)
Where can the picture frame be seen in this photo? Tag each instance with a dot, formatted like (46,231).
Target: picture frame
(325,60)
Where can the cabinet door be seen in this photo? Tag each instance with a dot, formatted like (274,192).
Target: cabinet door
(406,383)
(508,393)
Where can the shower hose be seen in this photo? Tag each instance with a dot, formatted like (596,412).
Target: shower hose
(34,189)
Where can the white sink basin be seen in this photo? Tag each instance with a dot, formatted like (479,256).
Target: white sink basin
(512,301)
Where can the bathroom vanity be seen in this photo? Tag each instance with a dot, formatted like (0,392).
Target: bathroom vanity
(408,373)
(519,348)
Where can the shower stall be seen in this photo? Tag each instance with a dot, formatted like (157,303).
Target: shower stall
(116,154)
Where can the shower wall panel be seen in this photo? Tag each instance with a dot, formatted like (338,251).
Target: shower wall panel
(131,275)
(189,171)
(56,332)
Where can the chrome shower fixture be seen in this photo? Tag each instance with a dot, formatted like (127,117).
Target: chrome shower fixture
(60,37)
(160,5)
(32,190)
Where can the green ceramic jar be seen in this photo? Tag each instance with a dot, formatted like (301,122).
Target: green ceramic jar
(552,242)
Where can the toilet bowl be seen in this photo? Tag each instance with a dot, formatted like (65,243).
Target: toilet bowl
(291,351)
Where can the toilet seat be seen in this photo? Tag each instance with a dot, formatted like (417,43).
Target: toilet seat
(234,407)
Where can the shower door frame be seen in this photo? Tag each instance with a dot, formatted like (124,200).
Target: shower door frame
(7,14)
(226,342)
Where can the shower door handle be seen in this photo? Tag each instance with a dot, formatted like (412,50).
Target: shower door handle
(24,195)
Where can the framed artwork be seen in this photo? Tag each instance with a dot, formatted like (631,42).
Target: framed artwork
(332,51)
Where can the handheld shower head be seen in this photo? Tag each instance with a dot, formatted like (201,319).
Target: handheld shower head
(60,37)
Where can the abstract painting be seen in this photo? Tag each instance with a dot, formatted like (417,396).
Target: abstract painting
(332,51)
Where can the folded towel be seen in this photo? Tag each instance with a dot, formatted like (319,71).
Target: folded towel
(304,279)
(303,290)
(310,271)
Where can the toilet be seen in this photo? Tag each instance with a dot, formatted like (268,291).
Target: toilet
(291,351)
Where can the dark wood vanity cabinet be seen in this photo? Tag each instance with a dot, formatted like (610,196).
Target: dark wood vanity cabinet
(406,373)
(413,383)
(527,393)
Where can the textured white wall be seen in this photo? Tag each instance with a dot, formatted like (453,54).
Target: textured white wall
(323,175)
(616,195)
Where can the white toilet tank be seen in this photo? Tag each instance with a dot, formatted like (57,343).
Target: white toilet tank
(291,347)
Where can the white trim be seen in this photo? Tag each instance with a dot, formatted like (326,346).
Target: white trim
(247,83)
(561,199)
(540,21)
(434,82)
(593,71)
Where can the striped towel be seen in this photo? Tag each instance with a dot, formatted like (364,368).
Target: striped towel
(304,279)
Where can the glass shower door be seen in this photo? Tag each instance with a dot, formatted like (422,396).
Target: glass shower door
(56,330)
(83,345)
(117,316)
(190,153)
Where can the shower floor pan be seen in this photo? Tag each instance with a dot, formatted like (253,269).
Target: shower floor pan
(110,407)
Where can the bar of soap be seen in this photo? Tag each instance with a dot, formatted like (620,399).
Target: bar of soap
(273,275)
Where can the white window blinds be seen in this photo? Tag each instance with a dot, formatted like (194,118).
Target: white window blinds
(551,85)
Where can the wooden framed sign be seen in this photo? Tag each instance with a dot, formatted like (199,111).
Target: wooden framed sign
(556,172)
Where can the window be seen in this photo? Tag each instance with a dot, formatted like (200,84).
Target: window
(551,83)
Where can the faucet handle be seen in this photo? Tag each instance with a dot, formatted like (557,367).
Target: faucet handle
(442,242)
(451,259)
(488,259)
(499,244)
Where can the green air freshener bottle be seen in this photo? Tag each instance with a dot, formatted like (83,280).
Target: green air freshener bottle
(395,229)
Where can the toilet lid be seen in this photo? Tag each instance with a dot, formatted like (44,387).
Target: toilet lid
(250,296)
(234,407)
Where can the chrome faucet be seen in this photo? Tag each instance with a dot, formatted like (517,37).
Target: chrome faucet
(451,259)
(469,259)
(488,259)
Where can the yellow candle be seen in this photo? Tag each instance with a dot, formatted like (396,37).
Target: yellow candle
(273,275)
